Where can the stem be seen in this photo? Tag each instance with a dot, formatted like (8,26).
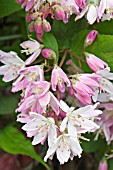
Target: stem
(63,58)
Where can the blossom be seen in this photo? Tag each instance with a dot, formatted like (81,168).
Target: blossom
(37,96)
(91,11)
(28,3)
(31,47)
(84,84)
(12,65)
(81,117)
(28,75)
(43,128)
(105,10)
(95,63)
(58,77)
(65,147)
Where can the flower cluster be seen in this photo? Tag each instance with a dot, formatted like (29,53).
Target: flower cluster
(39,10)
(43,106)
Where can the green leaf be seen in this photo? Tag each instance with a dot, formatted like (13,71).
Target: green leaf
(65,32)
(8,7)
(50,42)
(103,48)
(13,141)
(8,104)
(92,145)
(77,49)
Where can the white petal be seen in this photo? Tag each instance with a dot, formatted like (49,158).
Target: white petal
(92,14)
(63,124)
(39,137)
(64,106)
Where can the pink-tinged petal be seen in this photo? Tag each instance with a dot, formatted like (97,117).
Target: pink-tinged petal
(4,69)
(106,133)
(102,7)
(44,100)
(9,76)
(29,5)
(61,87)
(54,103)
(33,57)
(110,2)
(86,100)
(54,79)
(20,85)
(63,76)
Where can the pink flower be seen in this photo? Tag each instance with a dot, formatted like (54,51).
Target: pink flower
(31,47)
(28,3)
(103,166)
(48,53)
(13,64)
(84,85)
(37,96)
(59,78)
(90,38)
(95,63)
(27,76)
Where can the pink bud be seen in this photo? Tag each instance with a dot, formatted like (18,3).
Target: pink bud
(59,12)
(48,53)
(31,26)
(28,18)
(80,3)
(38,25)
(103,166)
(19,1)
(46,26)
(34,15)
(90,38)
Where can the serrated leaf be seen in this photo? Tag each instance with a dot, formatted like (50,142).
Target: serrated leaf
(50,42)
(14,142)
(8,7)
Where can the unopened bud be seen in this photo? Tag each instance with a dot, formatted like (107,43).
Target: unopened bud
(38,25)
(34,15)
(59,12)
(103,166)
(48,53)
(31,26)
(90,38)
(46,26)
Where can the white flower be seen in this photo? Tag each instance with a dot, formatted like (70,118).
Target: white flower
(80,118)
(42,126)
(13,64)
(65,147)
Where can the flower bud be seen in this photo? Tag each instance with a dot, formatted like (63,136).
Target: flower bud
(46,26)
(19,1)
(103,166)
(34,15)
(38,25)
(59,12)
(28,18)
(31,26)
(48,53)
(90,38)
